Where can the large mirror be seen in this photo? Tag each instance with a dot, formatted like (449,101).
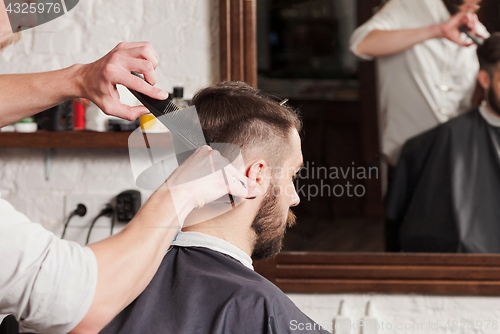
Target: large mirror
(301,51)
(303,55)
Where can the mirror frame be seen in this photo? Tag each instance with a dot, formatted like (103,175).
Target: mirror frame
(349,272)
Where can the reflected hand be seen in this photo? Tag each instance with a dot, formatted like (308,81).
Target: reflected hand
(450,29)
(98,80)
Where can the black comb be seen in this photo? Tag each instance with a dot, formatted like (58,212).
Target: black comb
(183,123)
(475,38)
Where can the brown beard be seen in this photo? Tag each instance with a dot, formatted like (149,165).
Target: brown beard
(493,100)
(270,228)
(12,39)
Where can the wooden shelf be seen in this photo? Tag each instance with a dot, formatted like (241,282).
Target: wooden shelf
(68,139)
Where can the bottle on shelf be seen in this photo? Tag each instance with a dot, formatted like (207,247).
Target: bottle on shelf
(178,97)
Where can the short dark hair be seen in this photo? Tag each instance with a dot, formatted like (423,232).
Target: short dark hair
(453,6)
(488,54)
(236,113)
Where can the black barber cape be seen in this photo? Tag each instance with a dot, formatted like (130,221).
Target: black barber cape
(445,194)
(198,290)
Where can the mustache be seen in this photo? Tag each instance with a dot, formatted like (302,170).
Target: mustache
(291,219)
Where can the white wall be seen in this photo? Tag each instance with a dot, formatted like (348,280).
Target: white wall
(74,171)
(419,314)
(185,36)
(184,33)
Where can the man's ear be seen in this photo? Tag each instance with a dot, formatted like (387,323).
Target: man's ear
(257,172)
(484,79)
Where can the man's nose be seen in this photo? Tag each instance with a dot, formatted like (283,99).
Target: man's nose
(295,199)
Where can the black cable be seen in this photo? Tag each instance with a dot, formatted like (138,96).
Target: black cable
(81,210)
(67,223)
(106,211)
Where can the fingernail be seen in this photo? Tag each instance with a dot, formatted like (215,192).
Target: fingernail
(163,95)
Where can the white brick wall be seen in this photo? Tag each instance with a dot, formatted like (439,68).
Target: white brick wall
(408,314)
(185,35)
(74,171)
(183,32)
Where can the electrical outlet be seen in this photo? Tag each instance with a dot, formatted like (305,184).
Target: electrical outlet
(94,203)
(79,226)
(127,205)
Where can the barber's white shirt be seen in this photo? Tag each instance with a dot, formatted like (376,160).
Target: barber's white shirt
(46,282)
(425,85)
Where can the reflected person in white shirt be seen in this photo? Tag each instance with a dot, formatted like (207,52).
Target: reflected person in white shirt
(427,68)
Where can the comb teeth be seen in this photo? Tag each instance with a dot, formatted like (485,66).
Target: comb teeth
(184,123)
(171,107)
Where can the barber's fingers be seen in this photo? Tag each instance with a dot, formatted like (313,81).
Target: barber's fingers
(452,28)
(131,45)
(239,189)
(469,19)
(113,106)
(245,187)
(219,162)
(137,57)
(143,52)
(223,182)
(132,113)
(472,21)
(238,184)
(140,66)
(131,81)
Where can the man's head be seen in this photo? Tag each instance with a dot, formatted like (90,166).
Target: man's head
(268,135)
(489,74)
(456,6)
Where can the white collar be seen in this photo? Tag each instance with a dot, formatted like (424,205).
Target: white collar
(196,239)
(488,116)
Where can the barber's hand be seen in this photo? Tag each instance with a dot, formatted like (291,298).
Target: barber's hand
(193,184)
(98,80)
(450,29)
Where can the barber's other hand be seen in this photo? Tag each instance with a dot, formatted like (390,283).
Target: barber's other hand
(98,80)
(192,188)
(450,29)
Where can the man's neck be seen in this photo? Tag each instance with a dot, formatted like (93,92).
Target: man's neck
(491,110)
(233,227)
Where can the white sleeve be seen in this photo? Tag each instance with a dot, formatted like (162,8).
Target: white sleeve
(46,282)
(388,18)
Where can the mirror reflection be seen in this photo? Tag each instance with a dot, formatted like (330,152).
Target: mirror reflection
(401,110)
